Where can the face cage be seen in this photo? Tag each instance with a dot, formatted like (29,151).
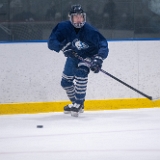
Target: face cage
(78,25)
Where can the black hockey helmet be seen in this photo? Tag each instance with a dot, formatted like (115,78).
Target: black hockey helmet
(77,9)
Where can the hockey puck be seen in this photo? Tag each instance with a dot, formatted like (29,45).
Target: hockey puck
(39,126)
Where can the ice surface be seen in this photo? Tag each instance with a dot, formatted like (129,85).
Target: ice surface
(97,135)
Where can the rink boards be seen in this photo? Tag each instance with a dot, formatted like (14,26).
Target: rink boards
(90,105)
(31,75)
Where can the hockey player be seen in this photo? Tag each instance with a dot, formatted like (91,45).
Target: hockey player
(85,41)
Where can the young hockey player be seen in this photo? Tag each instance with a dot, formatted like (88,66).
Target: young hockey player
(85,41)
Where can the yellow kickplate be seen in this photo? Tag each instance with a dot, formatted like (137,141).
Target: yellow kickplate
(90,105)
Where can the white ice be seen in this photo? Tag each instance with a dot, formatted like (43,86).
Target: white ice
(97,135)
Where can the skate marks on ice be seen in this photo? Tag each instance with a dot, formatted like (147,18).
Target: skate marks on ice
(120,134)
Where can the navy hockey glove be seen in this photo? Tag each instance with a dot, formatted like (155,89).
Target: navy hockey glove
(96,64)
(69,51)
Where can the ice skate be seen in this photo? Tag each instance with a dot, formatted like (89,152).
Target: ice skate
(82,109)
(67,109)
(76,109)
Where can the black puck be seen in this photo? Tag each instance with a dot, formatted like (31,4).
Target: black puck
(39,126)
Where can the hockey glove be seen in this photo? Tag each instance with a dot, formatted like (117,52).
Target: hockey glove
(70,51)
(96,64)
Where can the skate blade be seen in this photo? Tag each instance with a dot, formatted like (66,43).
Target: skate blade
(74,114)
(81,111)
(67,112)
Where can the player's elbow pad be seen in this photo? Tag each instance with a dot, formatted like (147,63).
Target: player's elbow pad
(104,53)
(52,47)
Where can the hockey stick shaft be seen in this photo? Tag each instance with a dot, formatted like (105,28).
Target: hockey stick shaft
(117,79)
(134,89)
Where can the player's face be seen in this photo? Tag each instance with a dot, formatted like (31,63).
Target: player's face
(78,18)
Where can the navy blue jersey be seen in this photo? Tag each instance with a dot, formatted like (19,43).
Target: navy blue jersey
(88,40)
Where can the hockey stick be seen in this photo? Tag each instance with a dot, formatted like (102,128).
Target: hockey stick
(110,75)
(143,94)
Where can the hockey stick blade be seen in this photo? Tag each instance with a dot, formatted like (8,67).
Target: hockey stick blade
(155,99)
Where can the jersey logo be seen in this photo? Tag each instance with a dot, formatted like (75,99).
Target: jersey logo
(79,44)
